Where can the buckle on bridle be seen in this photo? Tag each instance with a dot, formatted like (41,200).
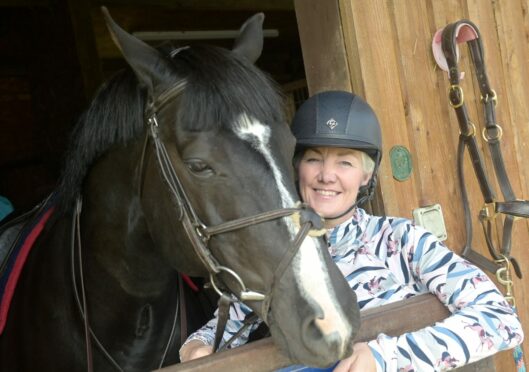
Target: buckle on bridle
(471,132)
(487,97)
(456,89)
(503,274)
(201,231)
(488,211)
(497,137)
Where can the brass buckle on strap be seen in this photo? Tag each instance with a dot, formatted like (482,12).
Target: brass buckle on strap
(487,97)
(488,211)
(497,137)
(503,274)
(456,88)
(471,132)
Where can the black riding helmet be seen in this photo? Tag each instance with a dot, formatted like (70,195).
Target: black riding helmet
(339,119)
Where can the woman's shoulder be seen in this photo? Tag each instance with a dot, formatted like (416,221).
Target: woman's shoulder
(388,222)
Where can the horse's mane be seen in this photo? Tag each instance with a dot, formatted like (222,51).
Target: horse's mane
(219,87)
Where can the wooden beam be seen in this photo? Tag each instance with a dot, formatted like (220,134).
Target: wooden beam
(320,33)
(221,5)
(394,319)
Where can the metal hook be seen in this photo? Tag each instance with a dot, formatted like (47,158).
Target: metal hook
(503,274)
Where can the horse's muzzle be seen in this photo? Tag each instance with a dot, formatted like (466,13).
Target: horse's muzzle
(316,322)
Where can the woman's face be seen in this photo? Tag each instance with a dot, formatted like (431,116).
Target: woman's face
(329,180)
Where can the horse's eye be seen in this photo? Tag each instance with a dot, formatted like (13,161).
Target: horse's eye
(199,167)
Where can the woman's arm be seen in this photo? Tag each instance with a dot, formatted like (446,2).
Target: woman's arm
(200,343)
(482,322)
(194,349)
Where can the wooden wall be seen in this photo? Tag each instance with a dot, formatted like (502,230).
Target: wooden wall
(382,51)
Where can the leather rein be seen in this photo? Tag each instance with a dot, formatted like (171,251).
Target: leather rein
(199,235)
(511,207)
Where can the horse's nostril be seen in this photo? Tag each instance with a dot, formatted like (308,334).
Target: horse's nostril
(317,335)
(311,332)
(324,325)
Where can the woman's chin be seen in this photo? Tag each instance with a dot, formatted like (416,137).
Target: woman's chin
(328,208)
(330,221)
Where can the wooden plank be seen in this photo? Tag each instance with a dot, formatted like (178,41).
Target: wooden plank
(428,142)
(281,55)
(220,5)
(262,355)
(322,43)
(374,54)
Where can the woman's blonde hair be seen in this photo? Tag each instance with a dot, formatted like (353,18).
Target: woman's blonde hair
(368,164)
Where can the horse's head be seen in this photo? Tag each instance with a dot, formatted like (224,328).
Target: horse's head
(220,151)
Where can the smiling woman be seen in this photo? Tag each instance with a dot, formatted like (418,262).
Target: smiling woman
(384,259)
(330,179)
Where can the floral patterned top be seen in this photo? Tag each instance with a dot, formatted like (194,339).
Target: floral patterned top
(388,259)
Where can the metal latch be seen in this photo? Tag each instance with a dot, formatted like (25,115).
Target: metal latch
(431,218)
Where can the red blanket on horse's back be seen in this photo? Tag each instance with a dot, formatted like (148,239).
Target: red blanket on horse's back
(17,257)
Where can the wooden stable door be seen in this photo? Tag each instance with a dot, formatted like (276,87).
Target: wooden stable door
(381,50)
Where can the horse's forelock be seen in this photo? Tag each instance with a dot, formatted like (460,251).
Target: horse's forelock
(221,87)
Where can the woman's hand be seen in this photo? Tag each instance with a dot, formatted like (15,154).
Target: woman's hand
(362,360)
(193,350)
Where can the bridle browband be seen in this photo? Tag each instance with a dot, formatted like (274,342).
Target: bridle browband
(511,207)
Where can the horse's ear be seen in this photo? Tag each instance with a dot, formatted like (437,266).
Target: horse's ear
(147,63)
(249,43)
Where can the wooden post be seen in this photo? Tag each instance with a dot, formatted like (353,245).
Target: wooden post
(262,355)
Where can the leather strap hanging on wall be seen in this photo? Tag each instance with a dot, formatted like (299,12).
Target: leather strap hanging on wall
(446,53)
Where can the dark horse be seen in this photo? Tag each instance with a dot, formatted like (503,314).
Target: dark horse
(169,160)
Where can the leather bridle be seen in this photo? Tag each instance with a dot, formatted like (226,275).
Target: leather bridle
(512,208)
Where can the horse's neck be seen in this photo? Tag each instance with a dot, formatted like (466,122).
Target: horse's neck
(131,293)
(114,233)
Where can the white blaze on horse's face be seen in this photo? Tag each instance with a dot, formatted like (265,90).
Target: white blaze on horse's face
(313,279)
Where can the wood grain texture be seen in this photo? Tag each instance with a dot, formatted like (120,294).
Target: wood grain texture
(262,355)
(390,63)
(319,24)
